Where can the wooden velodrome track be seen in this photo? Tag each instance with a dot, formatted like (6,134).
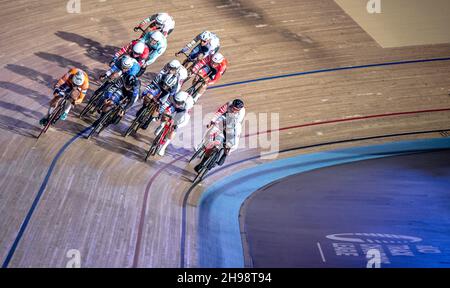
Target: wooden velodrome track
(64,192)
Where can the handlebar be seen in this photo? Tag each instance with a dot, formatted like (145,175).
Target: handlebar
(200,77)
(138,28)
(181,52)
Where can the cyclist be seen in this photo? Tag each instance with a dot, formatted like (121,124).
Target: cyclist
(232,115)
(76,82)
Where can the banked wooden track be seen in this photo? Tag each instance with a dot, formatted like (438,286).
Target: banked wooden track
(99,197)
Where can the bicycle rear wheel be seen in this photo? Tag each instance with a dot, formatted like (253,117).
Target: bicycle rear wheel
(209,164)
(196,153)
(139,120)
(98,125)
(91,104)
(153,148)
(155,144)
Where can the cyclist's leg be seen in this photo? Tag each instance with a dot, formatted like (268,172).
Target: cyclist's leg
(224,155)
(141,71)
(180,121)
(53,103)
(208,153)
(200,91)
(69,105)
(58,97)
(194,53)
(164,108)
(231,145)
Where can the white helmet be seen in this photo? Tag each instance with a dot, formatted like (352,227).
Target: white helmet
(181,97)
(139,48)
(78,78)
(157,36)
(218,58)
(161,19)
(205,36)
(174,64)
(127,62)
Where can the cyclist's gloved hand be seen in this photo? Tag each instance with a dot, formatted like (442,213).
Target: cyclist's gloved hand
(113,61)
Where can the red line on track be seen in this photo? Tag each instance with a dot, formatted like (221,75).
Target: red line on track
(350,119)
(144,210)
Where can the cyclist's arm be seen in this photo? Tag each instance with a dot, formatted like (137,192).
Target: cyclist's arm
(219,113)
(143,58)
(63,80)
(83,90)
(191,44)
(155,54)
(216,77)
(147,20)
(164,97)
(199,65)
(122,51)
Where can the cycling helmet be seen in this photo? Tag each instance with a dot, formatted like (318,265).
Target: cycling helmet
(205,36)
(161,19)
(139,48)
(181,97)
(130,81)
(157,36)
(170,81)
(78,78)
(218,58)
(174,64)
(127,62)
(237,104)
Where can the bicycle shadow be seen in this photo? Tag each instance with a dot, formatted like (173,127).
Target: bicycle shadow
(116,145)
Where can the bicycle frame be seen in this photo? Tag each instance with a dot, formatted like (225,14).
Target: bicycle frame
(56,114)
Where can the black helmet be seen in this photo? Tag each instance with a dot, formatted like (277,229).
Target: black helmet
(169,81)
(237,104)
(130,81)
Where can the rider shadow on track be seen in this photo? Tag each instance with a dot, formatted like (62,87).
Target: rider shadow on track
(94,50)
(116,145)
(111,139)
(37,76)
(18,126)
(186,173)
(23,110)
(40,98)
(68,63)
